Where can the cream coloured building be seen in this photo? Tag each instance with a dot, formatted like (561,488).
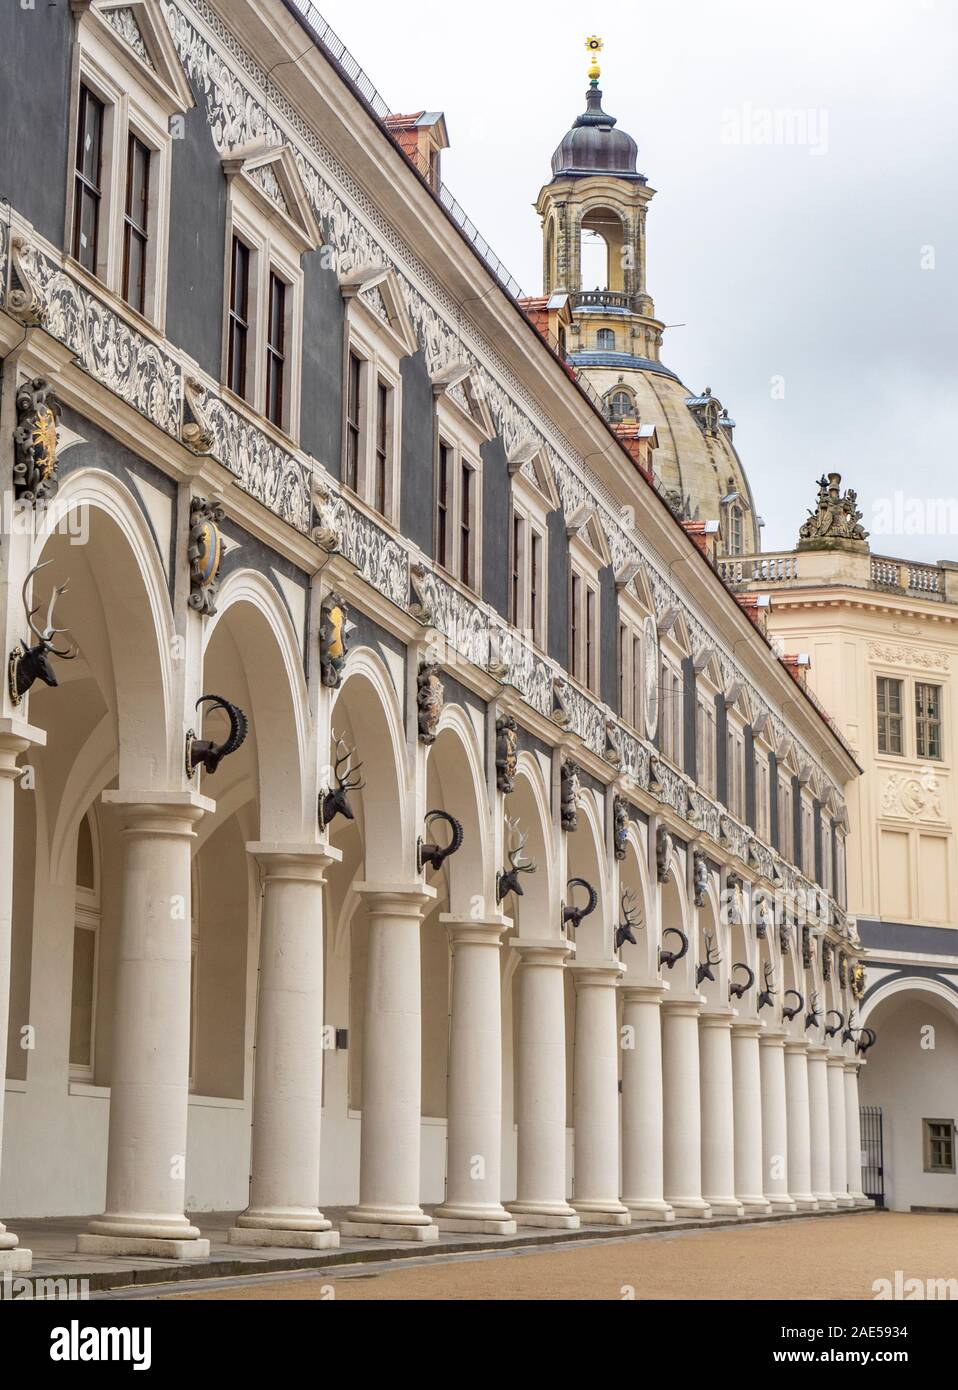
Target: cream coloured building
(878,641)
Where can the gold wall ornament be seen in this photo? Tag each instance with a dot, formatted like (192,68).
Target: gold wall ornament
(205,551)
(335,630)
(35,439)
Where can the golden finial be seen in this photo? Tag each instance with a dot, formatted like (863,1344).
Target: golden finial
(594,48)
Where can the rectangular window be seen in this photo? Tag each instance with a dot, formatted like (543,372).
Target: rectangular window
(939,1145)
(636,681)
(444,483)
(135,223)
(88,192)
(889,708)
(382,447)
(83,998)
(354,380)
(575,600)
(624,683)
(536,586)
(928,720)
(665,712)
(591,653)
(465,524)
(518,556)
(275,349)
(239,317)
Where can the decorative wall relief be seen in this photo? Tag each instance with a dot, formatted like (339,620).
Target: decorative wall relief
(620,827)
(430,699)
(663,853)
(204,552)
(507,754)
(569,792)
(903,654)
(700,879)
(912,795)
(36,438)
(335,630)
(826,961)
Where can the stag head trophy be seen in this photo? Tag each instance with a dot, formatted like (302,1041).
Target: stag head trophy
(851,1032)
(436,855)
(790,1011)
(814,1016)
(625,931)
(767,996)
(670,958)
(507,880)
(712,957)
(737,990)
(203,752)
(31,664)
(573,916)
(334,801)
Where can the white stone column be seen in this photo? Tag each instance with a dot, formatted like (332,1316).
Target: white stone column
(642,1169)
(718,1118)
(771,1048)
(837,1131)
(15,738)
(541,1074)
(853,1137)
(595,1096)
(474,1145)
(799,1126)
(288,1078)
(391,1134)
(747,1115)
(682,1127)
(149,1082)
(818,1125)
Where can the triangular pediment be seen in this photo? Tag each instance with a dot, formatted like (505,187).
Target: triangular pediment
(271,175)
(137,29)
(470,398)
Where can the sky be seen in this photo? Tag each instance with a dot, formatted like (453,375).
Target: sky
(804,228)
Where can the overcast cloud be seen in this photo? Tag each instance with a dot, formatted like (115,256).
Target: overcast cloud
(825,267)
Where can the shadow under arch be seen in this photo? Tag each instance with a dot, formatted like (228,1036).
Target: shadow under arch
(455,783)
(536,912)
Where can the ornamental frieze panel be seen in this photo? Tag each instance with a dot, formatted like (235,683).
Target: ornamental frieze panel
(903,654)
(913,795)
(580,715)
(380,560)
(115,354)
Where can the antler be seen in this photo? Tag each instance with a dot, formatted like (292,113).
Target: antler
(768,993)
(813,1017)
(623,931)
(345,784)
(49,632)
(704,970)
(515,854)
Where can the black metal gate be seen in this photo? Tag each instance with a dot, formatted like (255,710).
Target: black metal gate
(873,1150)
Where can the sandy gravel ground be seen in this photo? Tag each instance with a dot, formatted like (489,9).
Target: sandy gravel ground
(828,1258)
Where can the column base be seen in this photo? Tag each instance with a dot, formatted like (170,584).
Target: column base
(804,1201)
(826,1202)
(295,1240)
(194,1249)
(552,1214)
(725,1206)
(387,1230)
(16,1260)
(648,1210)
(477,1225)
(694,1207)
(755,1206)
(603,1213)
(865,1203)
(845,1201)
(781,1204)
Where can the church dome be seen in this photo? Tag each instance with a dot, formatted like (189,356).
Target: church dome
(594,146)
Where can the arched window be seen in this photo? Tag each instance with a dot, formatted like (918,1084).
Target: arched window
(605,340)
(621,405)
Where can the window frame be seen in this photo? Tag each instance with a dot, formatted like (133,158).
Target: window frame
(87,916)
(928,1142)
(379,367)
(929,724)
(463,441)
(890,715)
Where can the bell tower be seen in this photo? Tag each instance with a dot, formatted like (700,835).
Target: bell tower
(598,200)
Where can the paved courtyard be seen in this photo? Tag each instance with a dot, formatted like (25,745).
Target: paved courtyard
(836,1257)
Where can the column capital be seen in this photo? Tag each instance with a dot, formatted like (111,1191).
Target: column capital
(400,899)
(773,1037)
(748,1027)
(643,994)
(817,1050)
(684,1005)
(303,863)
(717,1017)
(796,1045)
(550,950)
(853,1067)
(475,931)
(158,812)
(602,974)
(837,1060)
(16,736)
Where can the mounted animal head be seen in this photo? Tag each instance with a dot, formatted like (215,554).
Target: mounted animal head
(507,880)
(790,1011)
(737,991)
(866,1042)
(334,801)
(767,997)
(572,916)
(204,752)
(436,855)
(814,1017)
(851,1032)
(712,957)
(832,1029)
(670,958)
(32,664)
(625,931)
